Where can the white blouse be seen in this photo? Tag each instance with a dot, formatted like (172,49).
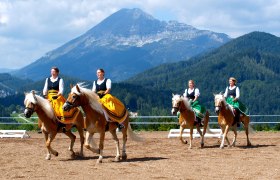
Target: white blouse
(61,85)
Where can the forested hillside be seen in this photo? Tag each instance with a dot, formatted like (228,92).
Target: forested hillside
(254,59)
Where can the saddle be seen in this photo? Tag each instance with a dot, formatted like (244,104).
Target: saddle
(114,109)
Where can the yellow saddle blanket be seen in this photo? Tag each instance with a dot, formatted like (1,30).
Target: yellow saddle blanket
(65,117)
(114,108)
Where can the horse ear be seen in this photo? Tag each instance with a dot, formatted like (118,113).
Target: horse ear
(78,89)
(33,93)
(71,86)
(214,94)
(172,95)
(221,93)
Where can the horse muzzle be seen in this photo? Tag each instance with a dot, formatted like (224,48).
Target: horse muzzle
(174,111)
(67,106)
(27,113)
(217,109)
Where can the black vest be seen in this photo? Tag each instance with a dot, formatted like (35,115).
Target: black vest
(53,85)
(232,92)
(191,95)
(101,87)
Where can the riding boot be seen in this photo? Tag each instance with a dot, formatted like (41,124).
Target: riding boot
(61,126)
(237,118)
(197,120)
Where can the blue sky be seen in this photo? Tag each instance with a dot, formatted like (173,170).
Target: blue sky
(31,28)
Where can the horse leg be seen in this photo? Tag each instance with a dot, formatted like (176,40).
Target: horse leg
(181,134)
(115,138)
(101,146)
(225,132)
(82,140)
(201,135)
(73,138)
(89,139)
(124,132)
(191,136)
(246,122)
(49,138)
(235,135)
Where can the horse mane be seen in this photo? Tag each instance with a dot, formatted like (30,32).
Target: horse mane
(221,97)
(185,100)
(40,101)
(92,97)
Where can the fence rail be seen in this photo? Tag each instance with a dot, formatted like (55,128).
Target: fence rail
(148,122)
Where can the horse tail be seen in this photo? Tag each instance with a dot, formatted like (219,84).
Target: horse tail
(250,129)
(133,135)
(206,128)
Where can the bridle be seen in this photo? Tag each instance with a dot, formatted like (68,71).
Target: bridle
(31,109)
(72,104)
(179,107)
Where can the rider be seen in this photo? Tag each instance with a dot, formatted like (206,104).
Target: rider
(232,95)
(192,94)
(102,86)
(53,91)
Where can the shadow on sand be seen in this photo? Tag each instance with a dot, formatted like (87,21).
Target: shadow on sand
(241,147)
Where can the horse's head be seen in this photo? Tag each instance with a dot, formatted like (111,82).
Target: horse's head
(219,98)
(30,104)
(73,99)
(176,103)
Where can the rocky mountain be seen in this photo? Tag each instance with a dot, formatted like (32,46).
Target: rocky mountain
(124,44)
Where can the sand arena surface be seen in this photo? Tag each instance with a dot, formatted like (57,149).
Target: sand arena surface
(156,158)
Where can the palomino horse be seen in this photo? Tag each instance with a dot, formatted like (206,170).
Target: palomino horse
(226,120)
(34,103)
(96,121)
(187,118)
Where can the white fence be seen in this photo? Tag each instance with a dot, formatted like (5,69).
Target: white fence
(28,121)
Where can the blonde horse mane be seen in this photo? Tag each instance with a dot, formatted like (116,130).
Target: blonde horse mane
(43,103)
(185,100)
(92,97)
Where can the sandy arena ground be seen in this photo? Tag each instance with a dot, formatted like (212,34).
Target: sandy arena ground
(156,158)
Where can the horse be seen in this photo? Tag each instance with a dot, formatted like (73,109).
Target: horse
(187,118)
(97,122)
(49,126)
(226,120)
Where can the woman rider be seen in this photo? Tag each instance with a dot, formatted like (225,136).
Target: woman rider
(53,91)
(192,94)
(232,95)
(102,85)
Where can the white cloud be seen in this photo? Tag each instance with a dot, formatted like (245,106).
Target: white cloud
(30,28)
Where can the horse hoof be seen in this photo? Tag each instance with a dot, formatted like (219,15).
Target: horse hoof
(221,147)
(124,157)
(56,153)
(48,157)
(117,159)
(73,155)
(79,154)
(99,161)
(202,145)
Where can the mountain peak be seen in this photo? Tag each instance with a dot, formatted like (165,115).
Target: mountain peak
(126,22)
(135,13)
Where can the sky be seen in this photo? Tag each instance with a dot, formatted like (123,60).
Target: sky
(31,28)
